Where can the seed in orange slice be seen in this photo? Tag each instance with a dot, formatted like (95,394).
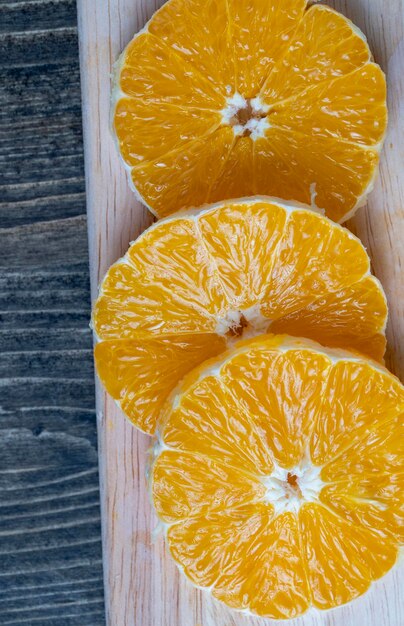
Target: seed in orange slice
(218,99)
(194,282)
(278,475)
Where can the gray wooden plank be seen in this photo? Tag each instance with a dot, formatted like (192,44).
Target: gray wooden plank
(32,48)
(24,168)
(49,89)
(75,421)
(50,539)
(76,612)
(41,209)
(42,189)
(36,15)
(45,391)
(43,244)
(32,280)
(56,319)
(40,143)
(46,299)
(63,364)
(30,339)
(35,481)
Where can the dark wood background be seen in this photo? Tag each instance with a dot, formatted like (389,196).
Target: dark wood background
(50,539)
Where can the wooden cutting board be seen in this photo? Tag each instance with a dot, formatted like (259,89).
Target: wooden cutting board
(142,586)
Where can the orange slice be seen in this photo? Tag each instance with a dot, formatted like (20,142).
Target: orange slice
(278,475)
(194,281)
(218,99)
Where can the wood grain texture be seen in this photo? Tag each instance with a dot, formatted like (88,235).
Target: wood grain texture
(50,536)
(143,587)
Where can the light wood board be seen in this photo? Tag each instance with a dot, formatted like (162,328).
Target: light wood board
(143,587)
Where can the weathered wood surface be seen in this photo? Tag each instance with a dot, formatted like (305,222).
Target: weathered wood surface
(143,587)
(50,537)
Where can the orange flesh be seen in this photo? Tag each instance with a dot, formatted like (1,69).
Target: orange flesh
(190,285)
(321,99)
(269,403)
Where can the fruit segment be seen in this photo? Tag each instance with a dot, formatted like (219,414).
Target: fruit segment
(183,178)
(281,396)
(261,32)
(252,560)
(373,402)
(151,71)
(178,126)
(379,448)
(342,559)
(211,421)
(236,174)
(336,109)
(201,34)
(175,258)
(181,491)
(375,503)
(342,318)
(242,240)
(129,307)
(324,45)
(311,259)
(210,549)
(278,586)
(314,170)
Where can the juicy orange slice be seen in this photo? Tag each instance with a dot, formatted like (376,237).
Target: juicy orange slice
(218,99)
(278,475)
(193,282)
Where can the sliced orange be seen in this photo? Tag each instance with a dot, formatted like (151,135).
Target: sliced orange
(218,99)
(278,475)
(194,281)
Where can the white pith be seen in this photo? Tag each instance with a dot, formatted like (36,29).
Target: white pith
(257,323)
(283,496)
(255,127)
(234,104)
